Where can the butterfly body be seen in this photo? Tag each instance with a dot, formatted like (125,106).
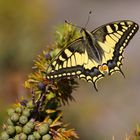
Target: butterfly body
(95,54)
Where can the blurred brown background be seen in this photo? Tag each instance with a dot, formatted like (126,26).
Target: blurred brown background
(26,27)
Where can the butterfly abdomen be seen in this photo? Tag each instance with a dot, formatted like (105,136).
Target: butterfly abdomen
(94,50)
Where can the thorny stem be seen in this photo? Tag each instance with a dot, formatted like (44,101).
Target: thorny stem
(33,97)
(42,99)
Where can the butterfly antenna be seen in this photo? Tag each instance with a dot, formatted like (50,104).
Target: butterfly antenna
(73,24)
(88,19)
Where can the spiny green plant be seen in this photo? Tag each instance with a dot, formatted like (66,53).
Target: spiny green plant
(41,117)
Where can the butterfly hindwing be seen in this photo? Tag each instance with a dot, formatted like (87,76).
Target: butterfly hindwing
(113,38)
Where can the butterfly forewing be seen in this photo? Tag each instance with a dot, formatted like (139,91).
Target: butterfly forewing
(69,61)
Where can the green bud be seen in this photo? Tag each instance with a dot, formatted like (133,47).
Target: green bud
(30,124)
(27,129)
(30,104)
(10,130)
(43,129)
(20,136)
(18,110)
(26,112)
(23,119)
(4,136)
(18,129)
(46,137)
(31,137)
(15,117)
(50,121)
(11,111)
(16,137)
(9,122)
(36,135)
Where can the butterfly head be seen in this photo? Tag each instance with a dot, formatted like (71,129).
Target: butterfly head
(104,69)
(85,33)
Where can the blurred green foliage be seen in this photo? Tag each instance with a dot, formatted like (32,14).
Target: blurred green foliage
(22,34)
(22,26)
(3,113)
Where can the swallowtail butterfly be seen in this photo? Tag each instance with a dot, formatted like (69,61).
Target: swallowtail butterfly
(95,54)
